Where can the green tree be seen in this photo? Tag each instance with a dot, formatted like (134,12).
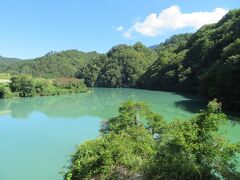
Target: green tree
(5,91)
(195,149)
(90,72)
(24,85)
(112,155)
(182,149)
(27,86)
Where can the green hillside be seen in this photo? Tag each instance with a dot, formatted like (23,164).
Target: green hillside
(121,67)
(53,64)
(5,62)
(208,63)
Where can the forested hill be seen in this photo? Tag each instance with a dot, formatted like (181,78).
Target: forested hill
(206,62)
(122,66)
(53,64)
(5,62)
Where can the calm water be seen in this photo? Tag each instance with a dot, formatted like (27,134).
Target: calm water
(37,135)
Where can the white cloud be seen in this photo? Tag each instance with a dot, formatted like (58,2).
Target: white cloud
(173,19)
(120,28)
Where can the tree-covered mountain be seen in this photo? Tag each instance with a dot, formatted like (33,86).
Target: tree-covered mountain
(122,66)
(5,62)
(53,64)
(161,75)
(207,63)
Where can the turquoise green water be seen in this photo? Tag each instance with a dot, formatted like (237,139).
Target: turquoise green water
(38,134)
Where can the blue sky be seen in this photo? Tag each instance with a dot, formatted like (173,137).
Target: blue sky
(31,28)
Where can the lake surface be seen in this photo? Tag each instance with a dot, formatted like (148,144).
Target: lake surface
(38,134)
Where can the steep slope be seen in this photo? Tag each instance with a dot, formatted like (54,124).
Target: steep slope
(208,63)
(163,73)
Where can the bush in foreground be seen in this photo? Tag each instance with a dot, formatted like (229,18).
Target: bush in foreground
(155,149)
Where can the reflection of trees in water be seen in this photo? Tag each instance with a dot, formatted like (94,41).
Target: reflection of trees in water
(4,106)
(101,102)
(195,103)
(192,103)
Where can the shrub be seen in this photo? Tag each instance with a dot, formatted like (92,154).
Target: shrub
(5,91)
(73,85)
(24,85)
(182,149)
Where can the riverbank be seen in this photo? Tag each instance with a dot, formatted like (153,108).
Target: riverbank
(28,86)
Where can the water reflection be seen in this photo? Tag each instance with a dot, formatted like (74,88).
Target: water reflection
(99,103)
(103,103)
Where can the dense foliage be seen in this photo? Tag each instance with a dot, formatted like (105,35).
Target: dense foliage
(27,86)
(164,73)
(5,62)
(121,67)
(139,144)
(5,91)
(195,149)
(206,62)
(90,72)
(53,64)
